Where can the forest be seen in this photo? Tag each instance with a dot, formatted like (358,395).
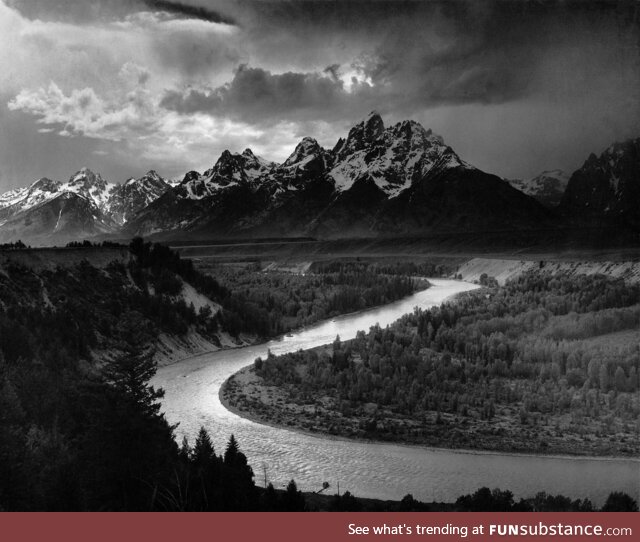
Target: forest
(80,427)
(547,363)
(275,302)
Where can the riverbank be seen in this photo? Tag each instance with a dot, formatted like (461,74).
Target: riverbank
(377,470)
(175,349)
(506,383)
(246,395)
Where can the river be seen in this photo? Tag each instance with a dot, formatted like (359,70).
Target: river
(385,471)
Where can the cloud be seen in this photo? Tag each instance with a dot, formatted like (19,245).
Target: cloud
(174,85)
(81,11)
(258,94)
(191,11)
(83,112)
(172,51)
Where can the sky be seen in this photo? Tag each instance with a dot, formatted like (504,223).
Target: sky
(124,86)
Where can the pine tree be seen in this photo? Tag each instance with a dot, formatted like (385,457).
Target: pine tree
(293,500)
(232,451)
(203,452)
(130,439)
(185,452)
(620,502)
(130,371)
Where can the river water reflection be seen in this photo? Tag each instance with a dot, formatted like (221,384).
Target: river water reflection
(385,471)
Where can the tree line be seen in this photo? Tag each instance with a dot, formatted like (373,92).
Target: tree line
(271,303)
(526,352)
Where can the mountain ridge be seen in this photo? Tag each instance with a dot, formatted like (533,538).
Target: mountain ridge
(348,190)
(377,181)
(547,187)
(607,186)
(99,207)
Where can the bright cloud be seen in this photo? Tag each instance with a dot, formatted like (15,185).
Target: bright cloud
(175,83)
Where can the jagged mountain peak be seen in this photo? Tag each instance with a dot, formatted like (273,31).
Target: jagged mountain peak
(45,184)
(134,195)
(151,178)
(190,176)
(373,124)
(416,134)
(91,186)
(622,147)
(607,185)
(393,158)
(152,174)
(83,173)
(621,154)
(86,180)
(361,135)
(236,167)
(306,149)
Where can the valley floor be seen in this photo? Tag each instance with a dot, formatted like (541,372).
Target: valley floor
(246,395)
(511,428)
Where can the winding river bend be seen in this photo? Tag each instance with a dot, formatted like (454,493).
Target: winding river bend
(384,471)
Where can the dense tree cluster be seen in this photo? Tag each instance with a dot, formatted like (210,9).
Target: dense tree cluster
(80,427)
(97,244)
(405,268)
(272,303)
(529,351)
(77,438)
(63,314)
(496,500)
(18,245)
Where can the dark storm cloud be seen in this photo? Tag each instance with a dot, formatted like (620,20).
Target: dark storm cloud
(258,94)
(419,55)
(83,11)
(514,86)
(189,10)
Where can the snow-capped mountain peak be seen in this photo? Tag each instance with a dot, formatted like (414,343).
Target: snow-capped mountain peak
(106,202)
(128,198)
(393,158)
(546,187)
(306,151)
(238,167)
(87,179)
(45,185)
(360,136)
(91,186)
(229,170)
(16,200)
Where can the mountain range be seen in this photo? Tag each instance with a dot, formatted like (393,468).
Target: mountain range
(85,206)
(547,187)
(607,186)
(401,180)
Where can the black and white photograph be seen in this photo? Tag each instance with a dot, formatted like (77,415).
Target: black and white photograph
(319,256)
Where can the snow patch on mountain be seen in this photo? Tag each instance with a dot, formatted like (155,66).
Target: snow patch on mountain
(547,187)
(118,202)
(230,170)
(393,158)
